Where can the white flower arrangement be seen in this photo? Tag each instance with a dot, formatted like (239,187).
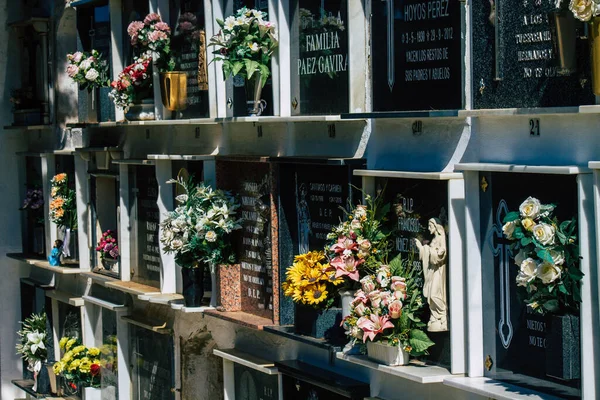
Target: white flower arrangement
(199,229)
(33,341)
(547,256)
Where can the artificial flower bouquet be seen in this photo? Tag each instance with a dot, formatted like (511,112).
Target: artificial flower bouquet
(134,83)
(108,246)
(583,10)
(79,365)
(89,70)
(33,342)
(245,44)
(199,229)
(546,252)
(312,281)
(357,246)
(154,35)
(63,207)
(387,308)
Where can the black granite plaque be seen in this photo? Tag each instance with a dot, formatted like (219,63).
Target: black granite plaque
(152,363)
(521,335)
(417,61)
(149,261)
(414,202)
(312,199)
(319,56)
(251,181)
(252,384)
(516,59)
(188,46)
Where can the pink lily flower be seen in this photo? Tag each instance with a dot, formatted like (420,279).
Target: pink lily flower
(343,244)
(346,266)
(373,325)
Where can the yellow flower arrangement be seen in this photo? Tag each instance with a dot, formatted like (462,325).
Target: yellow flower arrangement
(79,364)
(310,280)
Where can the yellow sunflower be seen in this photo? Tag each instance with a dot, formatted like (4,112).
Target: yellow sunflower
(93,351)
(317,294)
(70,343)
(58,367)
(63,342)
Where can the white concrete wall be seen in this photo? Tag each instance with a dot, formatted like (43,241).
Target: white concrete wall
(12,178)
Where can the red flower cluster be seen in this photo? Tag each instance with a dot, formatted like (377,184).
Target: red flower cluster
(130,80)
(108,246)
(95,369)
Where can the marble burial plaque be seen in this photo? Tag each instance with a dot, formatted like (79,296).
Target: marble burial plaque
(414,203)
(148,249)
(520,335)
(319,53)
(516,60)
(311,202)
(251,182)
(417,60)
(252,384)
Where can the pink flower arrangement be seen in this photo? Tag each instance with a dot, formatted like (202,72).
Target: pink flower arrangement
(153,35)
(108,246)
(387,308)
(88,70)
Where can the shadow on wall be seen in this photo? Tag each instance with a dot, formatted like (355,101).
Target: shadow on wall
(201,370)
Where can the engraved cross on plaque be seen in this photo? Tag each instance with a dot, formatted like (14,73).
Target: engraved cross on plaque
(391,68)
(502,250)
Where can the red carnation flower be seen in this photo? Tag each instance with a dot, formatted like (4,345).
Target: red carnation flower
(95,369)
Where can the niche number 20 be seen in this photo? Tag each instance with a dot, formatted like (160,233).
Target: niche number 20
(534,127)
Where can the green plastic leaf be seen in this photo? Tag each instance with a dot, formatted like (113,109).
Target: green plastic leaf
(563,289)
(551,305)
(576,274)
(544,255)
(237,67)
(511,216)
(525,241)
(251,67)
(419,341)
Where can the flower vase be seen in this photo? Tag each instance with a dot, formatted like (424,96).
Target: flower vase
(173,90)
(142,111)
(42,380)
(109,264)
(90,393)
(320,324)
(346,296)
(562,25)
(256,106)
(563,359)
(594,32)
(70,250)
(385,354)
(92,106)
(193,285)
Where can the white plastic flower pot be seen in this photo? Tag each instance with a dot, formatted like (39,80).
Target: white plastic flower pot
(385,354)
(90,393)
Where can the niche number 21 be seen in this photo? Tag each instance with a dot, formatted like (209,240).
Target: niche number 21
(534,127)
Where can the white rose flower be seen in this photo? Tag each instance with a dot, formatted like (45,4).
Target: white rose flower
(548,272)
(86,64)
(167,236)
(527,272)
(509,228)
(360,212)
(355,224)
(520,257)
(176,244)
(558,257)
(182,198)
(544,233)
(92,75)
(530,208)
(582,9)
(211,236)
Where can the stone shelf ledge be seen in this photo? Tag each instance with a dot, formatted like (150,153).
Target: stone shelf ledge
(288,331)
(247,360)
(44,264)
(153,326)
(415,371)
(436,176)
(537,111)
(105,304)
(26,385)
(134,288)
(178,306)
(28,127)
(99,278)
(532,169)
(417,114)
(65,297)
(242,318)
(494,389)
(160,298)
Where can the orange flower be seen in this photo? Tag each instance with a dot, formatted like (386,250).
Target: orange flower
(57,203)
(60,177)
(58,213)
